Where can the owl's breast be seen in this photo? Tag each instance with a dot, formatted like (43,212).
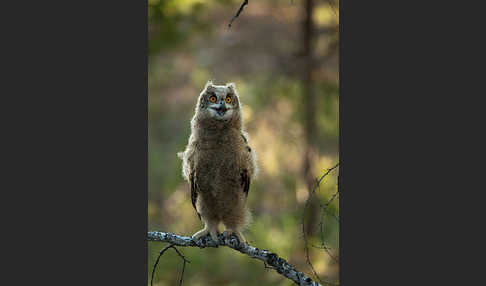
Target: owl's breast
(218,169)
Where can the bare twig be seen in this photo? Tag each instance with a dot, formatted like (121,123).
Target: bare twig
(306,247)
(183,265)
(158,258)
(157,262)
(325,208)
(269,258)
(321,226)
(238,12)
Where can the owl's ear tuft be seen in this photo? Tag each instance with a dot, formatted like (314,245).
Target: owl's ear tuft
(231,85)
(208,85)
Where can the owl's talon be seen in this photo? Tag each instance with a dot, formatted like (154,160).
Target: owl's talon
(238,235)
(199,234)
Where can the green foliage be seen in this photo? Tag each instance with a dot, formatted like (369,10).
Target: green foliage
(173,22)
(165,19)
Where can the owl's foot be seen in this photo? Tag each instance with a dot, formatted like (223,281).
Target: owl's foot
(214,235)
(204,232)
(199,234)
(238,234)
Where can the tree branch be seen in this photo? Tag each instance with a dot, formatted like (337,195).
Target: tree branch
(270,259)
(162,253)
(238,12)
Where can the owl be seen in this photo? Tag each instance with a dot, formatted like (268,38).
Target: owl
(218,163)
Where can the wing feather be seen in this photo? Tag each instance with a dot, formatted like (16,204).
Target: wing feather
(194,189)
(245,181)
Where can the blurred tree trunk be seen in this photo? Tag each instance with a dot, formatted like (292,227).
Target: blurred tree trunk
(309,99)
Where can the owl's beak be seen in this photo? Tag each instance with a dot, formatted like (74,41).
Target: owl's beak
(220,109)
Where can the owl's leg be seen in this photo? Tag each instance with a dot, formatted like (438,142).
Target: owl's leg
(213,231)
(235,229)
(235,221)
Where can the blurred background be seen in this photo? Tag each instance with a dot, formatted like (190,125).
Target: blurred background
(283,57)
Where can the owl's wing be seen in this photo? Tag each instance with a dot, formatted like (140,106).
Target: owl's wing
(245,181)
(194,188)
(243,135)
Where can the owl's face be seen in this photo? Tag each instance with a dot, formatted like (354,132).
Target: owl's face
(219,102)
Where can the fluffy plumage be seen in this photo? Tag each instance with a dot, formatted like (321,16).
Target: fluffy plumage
(218,162)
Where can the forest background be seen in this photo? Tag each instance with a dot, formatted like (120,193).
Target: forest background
(283,57)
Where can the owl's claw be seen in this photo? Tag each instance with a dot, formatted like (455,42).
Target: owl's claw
(238,234)
(204,232)
(199,234)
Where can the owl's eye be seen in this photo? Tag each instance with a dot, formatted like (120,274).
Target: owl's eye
(228,99)
(212,99)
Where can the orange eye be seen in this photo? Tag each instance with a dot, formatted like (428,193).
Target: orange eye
(228,99)
(212,99)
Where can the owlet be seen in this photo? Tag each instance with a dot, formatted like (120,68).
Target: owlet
(218,162)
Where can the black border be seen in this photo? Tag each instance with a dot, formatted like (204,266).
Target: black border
(76,74)
(404,109)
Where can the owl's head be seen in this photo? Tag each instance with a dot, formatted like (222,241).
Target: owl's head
(219,104)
